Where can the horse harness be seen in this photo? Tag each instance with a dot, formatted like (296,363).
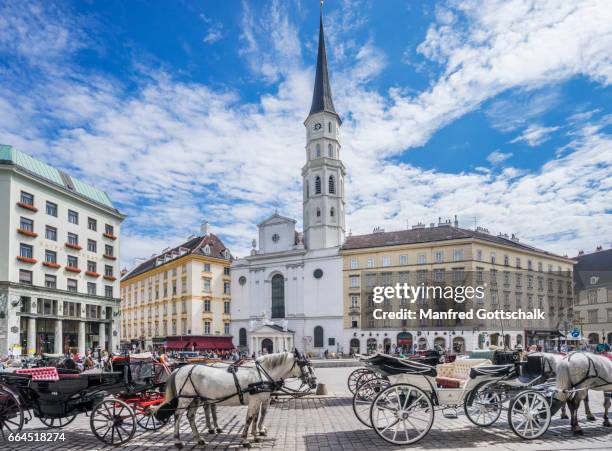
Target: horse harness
(266,384)
(592,372)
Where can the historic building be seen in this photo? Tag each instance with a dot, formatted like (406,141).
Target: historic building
(513,275)
(179,299)
(59,247)
(288,292)
(593,289)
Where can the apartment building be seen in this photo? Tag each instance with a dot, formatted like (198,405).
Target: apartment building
(513,276)
(593,288)
(59,250)
(179,299)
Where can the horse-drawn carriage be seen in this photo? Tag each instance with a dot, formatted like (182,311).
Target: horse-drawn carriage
(116,401)
(400,396)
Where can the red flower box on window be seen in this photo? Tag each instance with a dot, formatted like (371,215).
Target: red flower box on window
(28,206)
(26,259)
(74,246)
(51,264)
(72,269)
(27,233)
(92,274)
(110,236)
(111,278)
(109,257)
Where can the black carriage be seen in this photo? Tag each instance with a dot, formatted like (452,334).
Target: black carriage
(116,401)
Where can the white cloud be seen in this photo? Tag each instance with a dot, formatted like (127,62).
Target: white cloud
(534,135)
(214,31)
(497,157)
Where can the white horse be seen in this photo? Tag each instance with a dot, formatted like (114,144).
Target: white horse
(578,373)
(251,383)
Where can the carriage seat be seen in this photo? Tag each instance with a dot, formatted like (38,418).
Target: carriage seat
(455,374)
(391,365)
(536,369)
(491,370)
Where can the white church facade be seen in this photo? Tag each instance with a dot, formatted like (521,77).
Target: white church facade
(288,292)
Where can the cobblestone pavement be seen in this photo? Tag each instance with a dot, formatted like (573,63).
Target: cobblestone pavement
(328,423)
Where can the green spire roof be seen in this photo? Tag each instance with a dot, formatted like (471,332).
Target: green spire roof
(10,155)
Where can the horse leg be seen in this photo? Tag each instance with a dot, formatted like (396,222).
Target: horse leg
(261,429)
(208,424)
(587,410)
(255,421)
(573,404)
(251,412)
(177,421)
(607,402)
(213,409)
(564,412)
(191,414)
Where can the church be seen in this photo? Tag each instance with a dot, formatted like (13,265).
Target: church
(288,292)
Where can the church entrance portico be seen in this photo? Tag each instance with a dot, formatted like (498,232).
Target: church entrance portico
(271,338)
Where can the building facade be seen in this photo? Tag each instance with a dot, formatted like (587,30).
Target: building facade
(593,288)
(513,276)
(179,299)
(288,292)
(59,250)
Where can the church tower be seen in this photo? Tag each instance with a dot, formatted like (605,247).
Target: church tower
(323,174)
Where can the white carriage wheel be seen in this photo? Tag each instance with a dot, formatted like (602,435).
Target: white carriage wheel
(113,422)
(364,396)
(353,377)
(529,414)
(11,414)
(484,405)
(366,376)
(402,414)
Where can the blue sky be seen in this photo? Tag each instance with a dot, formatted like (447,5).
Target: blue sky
(499,112)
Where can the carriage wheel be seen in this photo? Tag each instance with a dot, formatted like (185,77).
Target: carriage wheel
(113,422)
(364,396)
(146,420)
(352,379)
(11,414)
(366,377)
(529,414)
(402,414)
(484,404)
(56,423)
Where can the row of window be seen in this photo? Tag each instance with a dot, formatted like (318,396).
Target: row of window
(331,185)
(206,267)
(27,251)
(439,257)
(73,216)
(72,285)
(206,288)
(164,329)
(319,154)
(70,309)
(206,307)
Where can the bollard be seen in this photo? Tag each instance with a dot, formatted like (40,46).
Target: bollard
(321,389)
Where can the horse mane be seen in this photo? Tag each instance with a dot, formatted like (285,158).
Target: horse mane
(273,360)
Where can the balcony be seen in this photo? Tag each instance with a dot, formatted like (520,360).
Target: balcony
(28,260)
(51,265)
(92,274)
(72,269)
(109,257)
(110,236)
(27,206)
(73,246)
(27,233)
(111,278)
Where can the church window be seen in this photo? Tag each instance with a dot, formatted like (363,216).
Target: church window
(330,151)
(317,185)
(242,337)
(331,212)
(318,150)
(329,126)
(278,296)
(318,337)
(318,212)
(332,185)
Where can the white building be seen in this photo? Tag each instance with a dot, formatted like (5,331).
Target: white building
(288,292)
(59,250)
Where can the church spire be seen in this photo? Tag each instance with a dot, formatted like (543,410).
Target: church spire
(322,96)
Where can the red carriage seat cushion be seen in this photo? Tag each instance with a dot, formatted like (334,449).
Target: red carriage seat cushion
(45,373)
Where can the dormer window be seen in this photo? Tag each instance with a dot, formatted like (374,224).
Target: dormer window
(207,250)
(226,253)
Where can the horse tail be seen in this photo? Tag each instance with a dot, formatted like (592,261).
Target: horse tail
(168,407)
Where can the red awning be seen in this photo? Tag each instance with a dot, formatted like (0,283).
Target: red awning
(177,343)
(212,343)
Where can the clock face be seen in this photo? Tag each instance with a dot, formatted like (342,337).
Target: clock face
(275,237)
(316,126)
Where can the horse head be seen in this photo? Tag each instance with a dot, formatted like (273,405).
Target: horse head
(304,369)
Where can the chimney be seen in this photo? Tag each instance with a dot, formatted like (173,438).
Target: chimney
(580,252)
(204,228)
(456,221)
(598,248)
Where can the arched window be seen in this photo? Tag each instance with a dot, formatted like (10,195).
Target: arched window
(318,212)
(330,151)
(332,185)
(278,296)
(317,185)
(242,337)
(318,150)
(332,212)
(329,126)
(318,337)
